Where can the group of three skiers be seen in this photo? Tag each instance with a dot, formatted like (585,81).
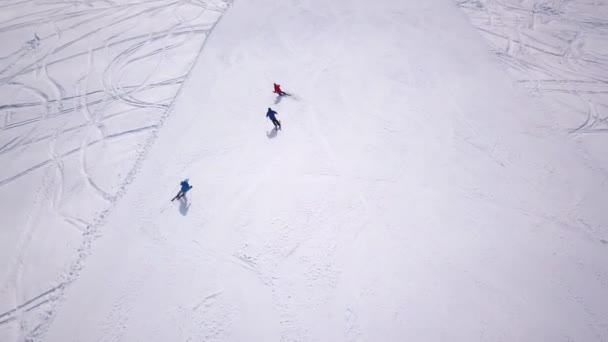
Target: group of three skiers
(271,114)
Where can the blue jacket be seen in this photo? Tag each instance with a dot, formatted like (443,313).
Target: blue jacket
(185,186)
(271,114)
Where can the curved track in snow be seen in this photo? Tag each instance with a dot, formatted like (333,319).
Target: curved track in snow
(84,87)
(557,49)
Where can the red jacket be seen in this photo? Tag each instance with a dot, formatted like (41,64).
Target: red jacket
(277,88)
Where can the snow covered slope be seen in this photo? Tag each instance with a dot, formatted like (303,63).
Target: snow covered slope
(559,51)
(414,193)
(83,90)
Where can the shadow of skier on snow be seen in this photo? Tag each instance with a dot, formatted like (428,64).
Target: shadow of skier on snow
(278,99)
(184,206)
(272,133)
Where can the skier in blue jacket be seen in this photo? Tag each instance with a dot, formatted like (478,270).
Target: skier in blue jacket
(271,115)
(185,187)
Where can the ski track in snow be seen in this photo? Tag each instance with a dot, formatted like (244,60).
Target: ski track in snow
(78,79)
(557,50)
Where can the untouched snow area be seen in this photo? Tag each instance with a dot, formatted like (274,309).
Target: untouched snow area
(416,191)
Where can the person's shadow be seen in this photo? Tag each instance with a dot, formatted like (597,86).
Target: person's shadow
(271,134)
(278,99)
(184,206)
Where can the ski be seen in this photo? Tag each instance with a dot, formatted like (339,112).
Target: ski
(181,194)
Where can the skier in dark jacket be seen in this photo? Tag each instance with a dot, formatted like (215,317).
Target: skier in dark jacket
(278,91)
(271,115)
(185,187)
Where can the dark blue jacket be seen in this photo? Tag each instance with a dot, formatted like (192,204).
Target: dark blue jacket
(185,186)
(271,114)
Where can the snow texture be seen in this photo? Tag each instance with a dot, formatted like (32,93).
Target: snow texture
(440,175)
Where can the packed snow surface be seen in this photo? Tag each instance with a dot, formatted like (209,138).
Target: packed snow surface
(441,174)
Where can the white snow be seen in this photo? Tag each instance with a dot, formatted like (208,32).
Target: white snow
(558,50)
(416,192)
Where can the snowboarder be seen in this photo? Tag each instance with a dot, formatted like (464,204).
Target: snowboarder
(278,91)
(185,187)
(271,115)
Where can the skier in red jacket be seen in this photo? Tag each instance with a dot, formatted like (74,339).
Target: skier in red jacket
(278,91)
